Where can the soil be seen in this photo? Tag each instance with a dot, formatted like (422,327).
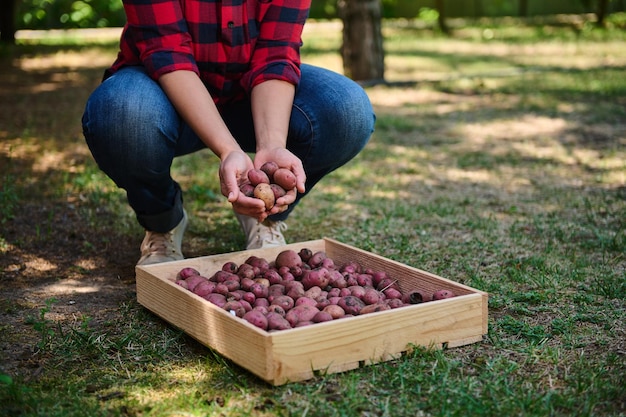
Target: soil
(50,258)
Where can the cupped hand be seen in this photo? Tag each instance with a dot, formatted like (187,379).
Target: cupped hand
(233,172)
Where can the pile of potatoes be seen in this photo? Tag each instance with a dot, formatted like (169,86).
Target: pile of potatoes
(269,183)
(299,289)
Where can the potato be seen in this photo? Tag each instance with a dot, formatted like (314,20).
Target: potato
(204,288)
(247,189)
(288,258)
(322,316)
(284,301)
(187,272)
(314,292)
(305,301)
(372,296)
(416,297)
(264,192)
(351,304)
(235,308)
(256,318)
(217,299)
(318,277)
(442,294)
(269,168)
(316,259)
(285,178)
(335,311)
(231,267)
(256,177)
(275,308)
(277,322)
(301,313)
(305,254)
(278,191)
(194,280)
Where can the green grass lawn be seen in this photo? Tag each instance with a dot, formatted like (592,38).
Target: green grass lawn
(498,161)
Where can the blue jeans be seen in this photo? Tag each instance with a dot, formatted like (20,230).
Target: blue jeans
(134,133)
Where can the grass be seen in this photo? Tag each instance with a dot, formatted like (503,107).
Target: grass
(498,161)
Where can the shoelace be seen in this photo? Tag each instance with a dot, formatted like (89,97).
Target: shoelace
(158,243)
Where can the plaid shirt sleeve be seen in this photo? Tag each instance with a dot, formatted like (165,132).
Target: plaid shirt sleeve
(156,36)
(277,51)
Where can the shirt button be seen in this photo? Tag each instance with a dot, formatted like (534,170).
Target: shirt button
(231,25)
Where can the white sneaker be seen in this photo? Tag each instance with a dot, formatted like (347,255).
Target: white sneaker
(163,247)
(262,235)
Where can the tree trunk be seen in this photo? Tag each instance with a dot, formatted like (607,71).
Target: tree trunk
(441,9)
(7,21)
(523,8)
(362,48)
(601,12)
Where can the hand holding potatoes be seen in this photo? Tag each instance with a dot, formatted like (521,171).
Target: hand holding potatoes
(271,184)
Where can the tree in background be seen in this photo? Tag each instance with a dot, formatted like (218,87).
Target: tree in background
(362,46)
(7,21)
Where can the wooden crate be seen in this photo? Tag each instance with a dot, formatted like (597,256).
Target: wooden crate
(336,346)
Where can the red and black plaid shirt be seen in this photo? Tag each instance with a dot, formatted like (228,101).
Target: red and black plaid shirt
(232,45)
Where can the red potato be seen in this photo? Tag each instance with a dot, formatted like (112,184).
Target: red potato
(395,302)
(336,279)
(231,267)
(286,302)
(235,308)
(365,280)
(335,311)
(259,290)
(393,293)
(256,177)
(442,294)
(248,296)
(263,309)
(263,281)
(317,277)
(223,276)
(301,313)
(221,288)
(232,285)
(256,318)
(314,292)
(322,316)
(217,299)
(272,276)
(305,301)
(357,291)
(317,258)
(194,280)
(246,271)
(305,254)
(246,283)
(275,308)
(277,322)
(334,300)
(416,297)
(204,288)
(322,302)
(289,259)
(247,189)
(285,178)
(182,283)
(351,304)
(278,191)
(187,272)
(269,168)
(276,290)
(261,302)
(372,296)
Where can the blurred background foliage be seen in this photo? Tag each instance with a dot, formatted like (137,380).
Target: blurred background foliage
(70,14)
